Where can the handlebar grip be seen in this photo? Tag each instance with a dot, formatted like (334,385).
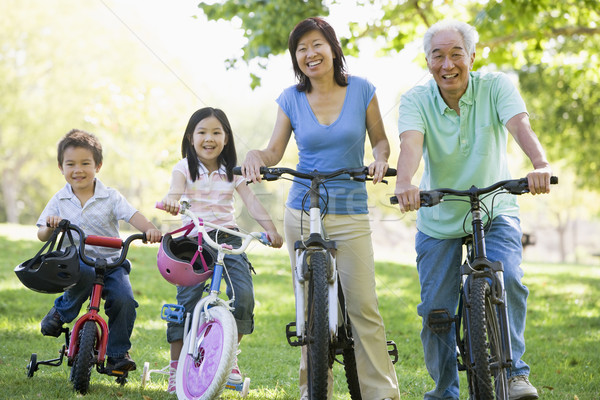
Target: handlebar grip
(160,205)
(391,172)
(429,198)
(115,243)
(238,170)
(554,180)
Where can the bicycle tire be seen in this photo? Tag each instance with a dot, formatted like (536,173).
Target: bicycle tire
(204,378)
(85,357)
(479,292)
(317,328)
(32,366)
(351,373)
(497,368)
(346,341)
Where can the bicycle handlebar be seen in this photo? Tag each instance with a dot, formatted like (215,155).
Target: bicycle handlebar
(430,198)
(358,174)
(200,224)
(102,241)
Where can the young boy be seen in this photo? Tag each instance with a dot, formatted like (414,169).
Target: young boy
(86,202)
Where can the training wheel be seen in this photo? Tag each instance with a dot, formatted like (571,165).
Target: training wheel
(146,374)
(245,387)
(32,366)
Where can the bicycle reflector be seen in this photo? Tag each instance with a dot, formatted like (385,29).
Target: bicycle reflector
(53,271)
(182,262)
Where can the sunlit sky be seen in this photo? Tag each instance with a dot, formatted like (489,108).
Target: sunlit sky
(174,31)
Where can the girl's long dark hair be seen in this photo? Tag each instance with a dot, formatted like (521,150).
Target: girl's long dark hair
(339,61)
(228,156)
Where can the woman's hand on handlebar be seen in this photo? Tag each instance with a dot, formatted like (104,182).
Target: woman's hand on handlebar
(408,197)
(251,166)
(377,170)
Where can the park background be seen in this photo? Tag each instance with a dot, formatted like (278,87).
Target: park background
(132,72)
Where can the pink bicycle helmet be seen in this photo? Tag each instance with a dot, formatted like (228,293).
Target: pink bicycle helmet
(181,263)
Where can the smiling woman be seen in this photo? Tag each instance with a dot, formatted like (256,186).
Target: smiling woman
(331,115)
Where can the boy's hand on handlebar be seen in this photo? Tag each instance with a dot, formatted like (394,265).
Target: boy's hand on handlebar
(251,166)
(408,197)
(153,235)
(539,180)
(275,238)
(52,221)
(377,170)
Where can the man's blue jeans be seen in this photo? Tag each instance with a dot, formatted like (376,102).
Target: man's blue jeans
(438,262)
(119,304)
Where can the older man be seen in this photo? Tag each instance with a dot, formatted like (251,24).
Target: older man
(457,123)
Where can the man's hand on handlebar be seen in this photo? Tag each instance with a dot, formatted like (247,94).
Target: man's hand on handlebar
(539,180)
(408,197)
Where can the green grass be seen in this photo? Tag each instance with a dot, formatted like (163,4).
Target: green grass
(563,331)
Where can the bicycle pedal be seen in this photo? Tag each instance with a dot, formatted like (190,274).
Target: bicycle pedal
(292,335)
(393,351)
(172,313)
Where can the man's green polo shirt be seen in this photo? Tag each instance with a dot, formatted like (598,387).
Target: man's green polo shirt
(462,150)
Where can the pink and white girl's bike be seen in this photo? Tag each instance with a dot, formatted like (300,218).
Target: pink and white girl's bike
(210,342)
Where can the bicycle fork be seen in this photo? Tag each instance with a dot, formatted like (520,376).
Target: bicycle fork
(295,331)
(494,273)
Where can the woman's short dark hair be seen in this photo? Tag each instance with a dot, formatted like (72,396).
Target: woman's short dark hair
(83,139)
(228,156)
(339,61)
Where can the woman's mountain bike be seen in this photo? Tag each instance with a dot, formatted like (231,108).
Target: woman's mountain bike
(481,320)
(211,338)
(85,345)
(322,322)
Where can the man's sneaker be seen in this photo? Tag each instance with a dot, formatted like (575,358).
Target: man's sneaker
(120,364)
(235,377)
(52,324)
(172,388)
(519,388)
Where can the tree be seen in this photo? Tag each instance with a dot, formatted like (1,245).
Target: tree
(66,65)
(552,46)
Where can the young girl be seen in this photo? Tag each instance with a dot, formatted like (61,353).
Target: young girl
(205,177)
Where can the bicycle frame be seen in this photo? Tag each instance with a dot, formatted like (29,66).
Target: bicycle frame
(72,339)
(210,325)
(100,265)
(476,268)
(201,311)
(315,242)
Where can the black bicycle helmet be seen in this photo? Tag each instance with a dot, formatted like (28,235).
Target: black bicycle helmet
(53,271)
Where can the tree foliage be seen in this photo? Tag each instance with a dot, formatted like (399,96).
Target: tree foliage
(552,46)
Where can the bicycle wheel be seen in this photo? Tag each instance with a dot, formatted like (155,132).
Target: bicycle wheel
(85,357)
(204,377)
(480,338)
(317,328)
(346,342)
(32,366)
(351,373)
(496,355)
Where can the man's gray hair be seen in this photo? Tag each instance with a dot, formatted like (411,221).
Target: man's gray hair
(468,32)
